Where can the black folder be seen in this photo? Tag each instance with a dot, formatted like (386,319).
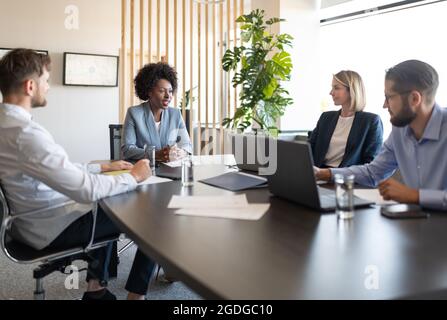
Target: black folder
(236,181)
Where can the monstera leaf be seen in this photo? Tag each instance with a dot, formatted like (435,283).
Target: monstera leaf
(260,64)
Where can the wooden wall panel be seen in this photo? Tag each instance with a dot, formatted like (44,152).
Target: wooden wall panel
(123,54)
(182,33)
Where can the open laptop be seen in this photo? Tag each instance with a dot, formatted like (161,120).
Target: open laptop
(250,151)
(294,179)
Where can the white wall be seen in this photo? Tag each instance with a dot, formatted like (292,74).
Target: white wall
(302,22)
(330,3)
(77,117)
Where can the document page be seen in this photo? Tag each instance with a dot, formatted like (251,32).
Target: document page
(251,212)
(208,202)
(154,180)
(150,180)
(229,207)
(226,159)
(372,195)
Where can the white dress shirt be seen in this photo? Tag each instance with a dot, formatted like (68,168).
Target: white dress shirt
(36,173)
(157,126)
(337,146)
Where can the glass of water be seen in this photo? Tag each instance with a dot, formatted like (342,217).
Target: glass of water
(149,153)
(187,172)
(344,196)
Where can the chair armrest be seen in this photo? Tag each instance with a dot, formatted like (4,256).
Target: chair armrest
(92,245)
(92,233)
(7,221)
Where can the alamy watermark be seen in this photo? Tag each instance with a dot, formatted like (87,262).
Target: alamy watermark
(248,149)
(372,278)
(72,17)
(72,280)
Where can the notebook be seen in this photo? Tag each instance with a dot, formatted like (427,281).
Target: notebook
(236,181)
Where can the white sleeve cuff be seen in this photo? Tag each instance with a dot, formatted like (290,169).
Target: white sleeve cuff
(433,199)
(94,168)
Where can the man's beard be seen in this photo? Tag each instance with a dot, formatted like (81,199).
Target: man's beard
(38,102)
(404,117)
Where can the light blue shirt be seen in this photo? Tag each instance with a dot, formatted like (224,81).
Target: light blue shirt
(140,129)
(423,163)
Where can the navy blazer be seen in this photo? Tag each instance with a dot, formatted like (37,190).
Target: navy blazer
(364,141)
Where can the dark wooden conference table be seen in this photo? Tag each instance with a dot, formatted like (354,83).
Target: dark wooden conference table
(292,252)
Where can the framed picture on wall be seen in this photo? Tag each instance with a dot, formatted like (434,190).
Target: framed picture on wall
(92,70)
(4,51)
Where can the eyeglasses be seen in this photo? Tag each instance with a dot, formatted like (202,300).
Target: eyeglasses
(387,98)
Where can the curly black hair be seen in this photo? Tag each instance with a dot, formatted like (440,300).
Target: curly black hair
(148,77)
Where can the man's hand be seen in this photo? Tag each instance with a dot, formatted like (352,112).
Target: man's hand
(163,154)
(117,165)
(392,190)
(141,170)
(322,174)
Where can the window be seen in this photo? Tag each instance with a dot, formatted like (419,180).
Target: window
(372,44)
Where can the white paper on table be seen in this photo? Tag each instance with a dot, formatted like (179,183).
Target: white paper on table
(226,159)
(251,212)
(372,195)
(174,164)
(154,180)
(208,202)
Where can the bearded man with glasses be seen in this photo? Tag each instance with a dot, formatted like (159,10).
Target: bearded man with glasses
(417,144)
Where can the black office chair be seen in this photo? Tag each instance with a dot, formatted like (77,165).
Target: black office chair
(49,260)
(115,134)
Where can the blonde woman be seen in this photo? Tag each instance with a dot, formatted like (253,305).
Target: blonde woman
(349,136)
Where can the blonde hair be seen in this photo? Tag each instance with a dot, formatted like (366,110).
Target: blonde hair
(354,83)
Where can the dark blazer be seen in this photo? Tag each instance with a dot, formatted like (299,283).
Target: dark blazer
(364,140)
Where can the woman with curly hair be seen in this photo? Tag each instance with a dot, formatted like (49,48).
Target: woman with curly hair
(154,123)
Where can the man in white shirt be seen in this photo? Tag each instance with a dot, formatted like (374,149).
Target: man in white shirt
(36,173)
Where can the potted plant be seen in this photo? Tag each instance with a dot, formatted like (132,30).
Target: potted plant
(264,63)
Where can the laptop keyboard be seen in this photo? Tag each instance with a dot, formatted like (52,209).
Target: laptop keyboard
(327,198)
(325,192)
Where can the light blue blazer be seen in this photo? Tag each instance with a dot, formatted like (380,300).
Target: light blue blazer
(139,130)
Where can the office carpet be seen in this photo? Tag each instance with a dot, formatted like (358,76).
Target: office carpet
(16,282)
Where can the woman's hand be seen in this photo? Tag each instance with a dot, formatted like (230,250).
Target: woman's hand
(176,153)
(162,155)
